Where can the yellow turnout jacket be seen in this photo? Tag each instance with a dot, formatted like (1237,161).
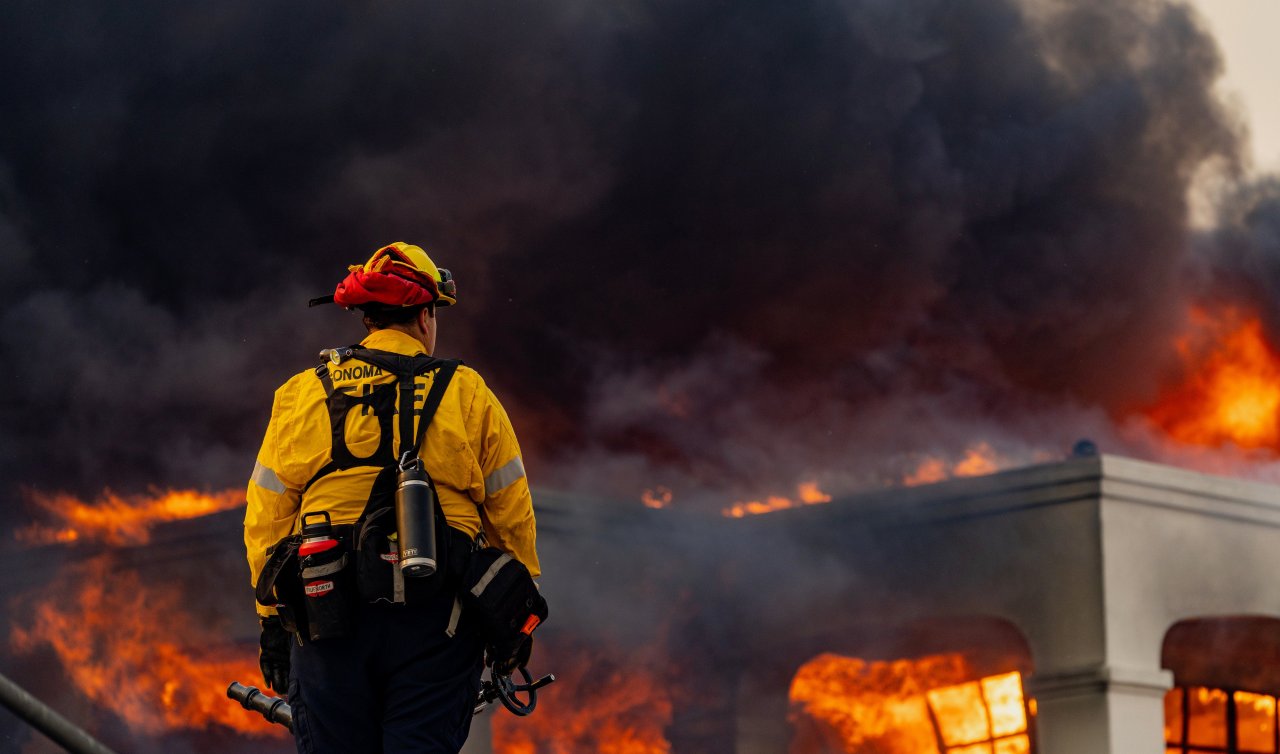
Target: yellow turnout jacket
(470,450)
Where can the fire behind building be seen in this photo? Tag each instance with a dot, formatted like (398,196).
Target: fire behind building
(1094,604)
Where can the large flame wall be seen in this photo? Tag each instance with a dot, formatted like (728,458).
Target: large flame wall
(147,632)
(136,648)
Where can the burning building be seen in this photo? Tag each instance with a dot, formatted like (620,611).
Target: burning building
(1103,581)
(1097,604)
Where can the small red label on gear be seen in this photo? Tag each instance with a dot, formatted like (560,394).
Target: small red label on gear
(530,624)
(317,588)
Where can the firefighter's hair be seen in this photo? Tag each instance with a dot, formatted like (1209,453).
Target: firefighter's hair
(380,317)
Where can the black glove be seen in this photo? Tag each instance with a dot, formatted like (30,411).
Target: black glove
(274,657)
(505,660)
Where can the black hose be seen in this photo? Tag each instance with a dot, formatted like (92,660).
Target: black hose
(40,716)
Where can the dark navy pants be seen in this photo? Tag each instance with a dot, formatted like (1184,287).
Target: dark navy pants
(400,684)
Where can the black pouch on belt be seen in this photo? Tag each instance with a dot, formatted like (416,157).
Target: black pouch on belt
(377,575)
(378,561)
(328,586)
(377,551)
(278,585)
(503,598)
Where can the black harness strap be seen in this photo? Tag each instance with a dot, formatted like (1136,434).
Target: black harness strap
(408,383)
(432,403)
(382,401)
(322,372)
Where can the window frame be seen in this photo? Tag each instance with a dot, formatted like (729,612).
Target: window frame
(1232,724)
(991,740)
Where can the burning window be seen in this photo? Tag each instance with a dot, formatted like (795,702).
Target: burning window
(983,717)
(923,706)
(1226,671)
(1200,720)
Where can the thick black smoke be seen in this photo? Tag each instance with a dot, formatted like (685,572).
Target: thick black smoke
(713,241)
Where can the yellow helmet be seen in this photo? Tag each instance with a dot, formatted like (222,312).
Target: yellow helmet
(414,260)
(398,274)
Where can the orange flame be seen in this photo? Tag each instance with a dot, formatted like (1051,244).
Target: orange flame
(1233,392)
(659,497)
(598,705)
(922,706)
(137,651)
(120,520)
(807,493)
(979,459)
(1255,721)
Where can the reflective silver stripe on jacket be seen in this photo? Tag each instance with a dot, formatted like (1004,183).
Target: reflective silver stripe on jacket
(455,615)
(503,477)
(266,478)
(488,576)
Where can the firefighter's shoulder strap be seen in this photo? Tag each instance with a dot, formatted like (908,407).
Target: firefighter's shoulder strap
(431,404)
(381,400)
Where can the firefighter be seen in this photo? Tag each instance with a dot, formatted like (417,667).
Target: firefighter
(404,676)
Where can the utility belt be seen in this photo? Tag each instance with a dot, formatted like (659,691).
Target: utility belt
(317,595)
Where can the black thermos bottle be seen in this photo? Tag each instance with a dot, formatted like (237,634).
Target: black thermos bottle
(416,522)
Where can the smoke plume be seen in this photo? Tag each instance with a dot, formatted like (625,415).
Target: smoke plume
(719,245)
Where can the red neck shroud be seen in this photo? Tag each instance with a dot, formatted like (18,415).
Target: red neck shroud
(360,288)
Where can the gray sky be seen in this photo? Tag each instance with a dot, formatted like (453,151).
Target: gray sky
(1246,31)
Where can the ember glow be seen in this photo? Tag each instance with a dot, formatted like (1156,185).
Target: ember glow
(599,704)
(807,493)
(979,459)
(117,519)
(138,651)
(1232,392)
(658,497)
(922,706)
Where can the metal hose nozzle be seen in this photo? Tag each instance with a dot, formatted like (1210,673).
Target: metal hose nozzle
(273,708)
